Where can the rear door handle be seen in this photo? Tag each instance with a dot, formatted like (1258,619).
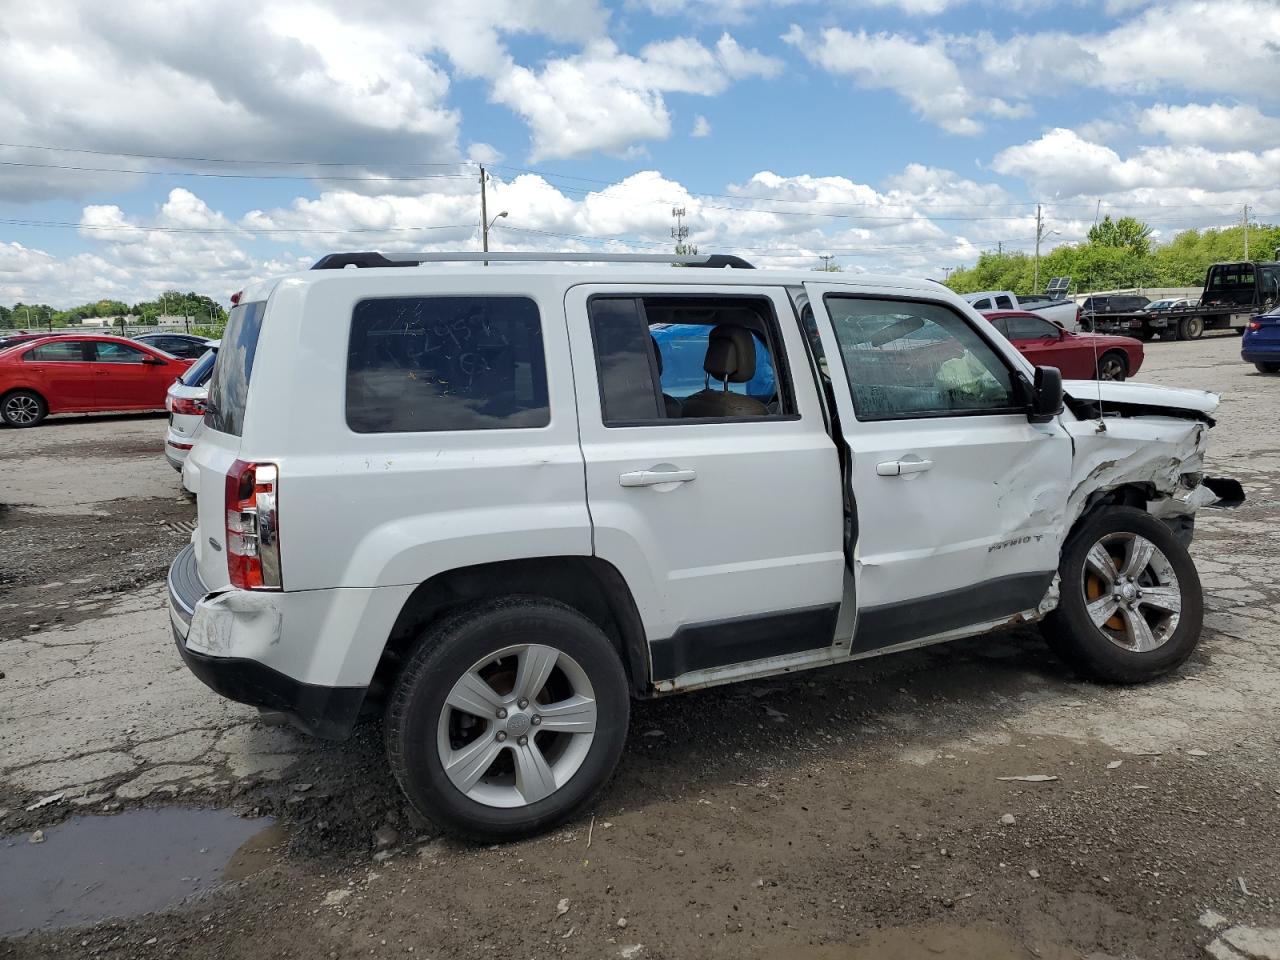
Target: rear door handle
(651,478)
(898,468)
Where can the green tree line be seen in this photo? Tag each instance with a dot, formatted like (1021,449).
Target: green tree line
(202,310)
(1119,255)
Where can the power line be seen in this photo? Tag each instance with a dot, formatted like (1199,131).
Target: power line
(234,231)
(228,176)
(287,163)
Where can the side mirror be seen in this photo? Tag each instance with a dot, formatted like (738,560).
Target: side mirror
(1046,395)
(154,361)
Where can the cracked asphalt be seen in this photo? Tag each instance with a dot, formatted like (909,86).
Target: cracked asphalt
(851,812)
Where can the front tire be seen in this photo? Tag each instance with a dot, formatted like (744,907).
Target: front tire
(23,408)
(1112,366)
(508,718)
(1131,607)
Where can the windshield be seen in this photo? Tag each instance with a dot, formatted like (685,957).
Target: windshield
(229,387)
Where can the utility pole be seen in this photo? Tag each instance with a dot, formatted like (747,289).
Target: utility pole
(946,273)
(826,259)
(1246,231)
(484,215)
(1035,284)
(1000,248)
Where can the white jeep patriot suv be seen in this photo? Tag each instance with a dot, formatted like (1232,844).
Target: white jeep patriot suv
(498,502)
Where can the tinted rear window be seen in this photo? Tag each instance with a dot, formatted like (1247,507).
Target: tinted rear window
(229,387)
(199,371)
(418,364)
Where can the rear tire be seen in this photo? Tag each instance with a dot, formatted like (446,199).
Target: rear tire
(1267,367)
(23,408)
(1190,328)
(1112,365)
(517,757)
(1136,622)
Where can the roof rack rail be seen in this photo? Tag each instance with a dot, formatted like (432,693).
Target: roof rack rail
(336,261)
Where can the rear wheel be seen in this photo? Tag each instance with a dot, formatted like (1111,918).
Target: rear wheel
(23,408)
(1190,328)
(1131,607)
(1267,367)
(1112,366)
(508,718)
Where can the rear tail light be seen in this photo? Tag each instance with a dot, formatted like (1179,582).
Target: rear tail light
(1255,324)
(189,406)
(253,529)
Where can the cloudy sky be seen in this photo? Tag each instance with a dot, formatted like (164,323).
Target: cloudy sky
(196,144)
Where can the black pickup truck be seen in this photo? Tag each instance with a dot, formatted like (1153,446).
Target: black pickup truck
(1233,292)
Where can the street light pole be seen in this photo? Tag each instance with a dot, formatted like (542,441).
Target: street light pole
(484,216)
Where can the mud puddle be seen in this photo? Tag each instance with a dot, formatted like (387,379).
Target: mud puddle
(91,868)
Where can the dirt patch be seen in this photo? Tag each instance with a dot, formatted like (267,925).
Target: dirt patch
(65,568)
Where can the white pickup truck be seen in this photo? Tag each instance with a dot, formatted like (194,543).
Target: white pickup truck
(1065,313)
(497,503)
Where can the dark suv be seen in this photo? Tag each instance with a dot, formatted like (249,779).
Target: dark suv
(1113,303)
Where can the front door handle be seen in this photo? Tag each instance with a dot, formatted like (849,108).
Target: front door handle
(652,478)
(898,468)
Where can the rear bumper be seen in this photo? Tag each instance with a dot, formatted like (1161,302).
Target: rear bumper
(321,711)
(176,448)
(1260,352)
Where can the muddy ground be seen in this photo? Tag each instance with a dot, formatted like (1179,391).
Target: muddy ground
(853,812)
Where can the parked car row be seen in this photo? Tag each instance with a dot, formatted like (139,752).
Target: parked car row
(82,374)
(185,402)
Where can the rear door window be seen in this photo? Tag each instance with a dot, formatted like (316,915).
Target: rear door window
(229,387)
(1004,303)
(662,359)
(426,364)
(107,352)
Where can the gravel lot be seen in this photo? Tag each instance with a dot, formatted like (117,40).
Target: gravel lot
(854,812)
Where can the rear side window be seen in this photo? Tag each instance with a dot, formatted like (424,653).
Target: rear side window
(1031,328)
(426,364)
(199,371)
(1004,303)
(57,351)
(229,387)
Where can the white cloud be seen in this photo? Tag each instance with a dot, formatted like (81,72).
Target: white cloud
(604,99)
(922,73)
(1192,45)
(323,81)
(484,153)
(701,127)
(1063,163)
(1241,125)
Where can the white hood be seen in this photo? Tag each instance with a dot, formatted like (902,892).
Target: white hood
(1142,394)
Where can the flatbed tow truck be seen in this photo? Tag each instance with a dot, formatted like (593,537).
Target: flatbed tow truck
(1233,293)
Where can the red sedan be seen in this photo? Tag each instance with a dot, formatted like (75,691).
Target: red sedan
(1080,356)
(82,374)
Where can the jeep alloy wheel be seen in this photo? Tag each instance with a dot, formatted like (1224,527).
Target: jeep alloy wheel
(517,725)
(1134,597)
